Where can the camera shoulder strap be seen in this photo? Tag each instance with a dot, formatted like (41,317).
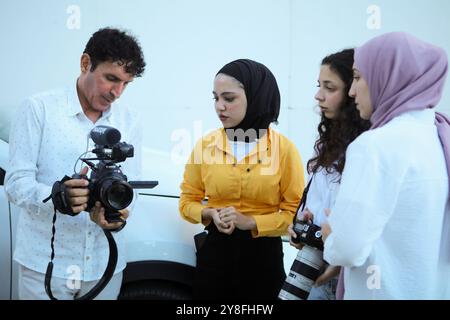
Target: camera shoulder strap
(302,203)
(106,277)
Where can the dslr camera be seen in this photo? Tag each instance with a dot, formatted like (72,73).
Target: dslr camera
(308,263)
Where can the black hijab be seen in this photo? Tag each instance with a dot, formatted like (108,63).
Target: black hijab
(261,90)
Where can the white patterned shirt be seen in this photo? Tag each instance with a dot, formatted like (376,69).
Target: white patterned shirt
(49,133)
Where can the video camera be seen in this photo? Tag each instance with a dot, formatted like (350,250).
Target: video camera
(107,183)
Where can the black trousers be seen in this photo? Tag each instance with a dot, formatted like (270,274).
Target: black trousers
(239,267)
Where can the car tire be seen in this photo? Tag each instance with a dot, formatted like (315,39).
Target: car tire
(155,290)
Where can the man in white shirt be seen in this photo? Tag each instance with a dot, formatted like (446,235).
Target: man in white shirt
(48,134)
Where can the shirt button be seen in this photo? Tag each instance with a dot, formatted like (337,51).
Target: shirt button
(87,258)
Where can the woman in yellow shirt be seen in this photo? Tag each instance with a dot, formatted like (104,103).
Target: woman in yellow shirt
(243,182)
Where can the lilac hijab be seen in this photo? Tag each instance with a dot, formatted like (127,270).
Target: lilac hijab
(403,74)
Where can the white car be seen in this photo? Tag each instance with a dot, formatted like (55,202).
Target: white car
(160,245)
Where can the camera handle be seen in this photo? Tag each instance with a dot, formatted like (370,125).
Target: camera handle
(113,216)
(60,198)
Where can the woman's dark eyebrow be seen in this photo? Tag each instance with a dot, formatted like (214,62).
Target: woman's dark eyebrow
(224,93)
(327,82)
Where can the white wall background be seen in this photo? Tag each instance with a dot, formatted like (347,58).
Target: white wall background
(186,42)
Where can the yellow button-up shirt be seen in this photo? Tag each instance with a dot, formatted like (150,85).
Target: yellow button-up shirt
(267,183)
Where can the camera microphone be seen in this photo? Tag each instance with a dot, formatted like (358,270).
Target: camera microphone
(105,136)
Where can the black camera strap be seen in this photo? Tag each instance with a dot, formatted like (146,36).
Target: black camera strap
(302,203)
(106,277)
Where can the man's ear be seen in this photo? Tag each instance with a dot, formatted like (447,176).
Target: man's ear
(85,63)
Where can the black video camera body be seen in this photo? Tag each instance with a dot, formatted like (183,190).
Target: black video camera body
(308,234)
(107,183)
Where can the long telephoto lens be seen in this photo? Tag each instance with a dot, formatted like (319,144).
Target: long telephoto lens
(307,265)
(304,272)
